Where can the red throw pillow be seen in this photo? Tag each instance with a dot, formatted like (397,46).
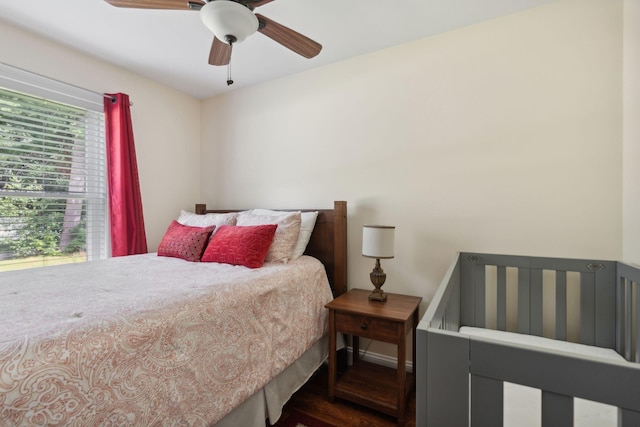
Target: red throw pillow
(240,245)
(181,241)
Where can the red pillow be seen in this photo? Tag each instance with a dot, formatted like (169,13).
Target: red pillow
(181,241)
(240,245)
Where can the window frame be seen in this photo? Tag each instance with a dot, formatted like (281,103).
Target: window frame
(31,84)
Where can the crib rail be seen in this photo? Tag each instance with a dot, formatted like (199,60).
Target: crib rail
(560,376)
(597,296)
(590,302)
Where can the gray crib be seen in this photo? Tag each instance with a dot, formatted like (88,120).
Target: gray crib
(597,303)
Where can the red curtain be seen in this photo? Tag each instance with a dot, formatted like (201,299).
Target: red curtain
(125,202)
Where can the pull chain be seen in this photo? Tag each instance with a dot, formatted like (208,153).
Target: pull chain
(229,80)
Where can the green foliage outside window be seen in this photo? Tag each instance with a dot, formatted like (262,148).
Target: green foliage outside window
(43,166)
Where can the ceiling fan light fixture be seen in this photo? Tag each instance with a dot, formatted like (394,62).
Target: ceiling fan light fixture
(228,18)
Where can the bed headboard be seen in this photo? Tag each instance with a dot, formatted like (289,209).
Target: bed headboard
(328,241)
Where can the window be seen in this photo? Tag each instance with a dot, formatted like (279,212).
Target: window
(53,201)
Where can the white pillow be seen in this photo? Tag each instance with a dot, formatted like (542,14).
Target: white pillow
(543,343)
(308,222)
(286,234)
(207,220)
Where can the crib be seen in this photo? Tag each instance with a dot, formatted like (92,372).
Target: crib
(576,308)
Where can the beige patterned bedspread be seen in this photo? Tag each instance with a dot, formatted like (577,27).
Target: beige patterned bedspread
(150,341)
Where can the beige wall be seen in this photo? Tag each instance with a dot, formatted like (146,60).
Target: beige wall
(501,137)
(166,122)
(631,131)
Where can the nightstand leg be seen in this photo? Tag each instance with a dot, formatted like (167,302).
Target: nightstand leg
(332,355)
(355,346)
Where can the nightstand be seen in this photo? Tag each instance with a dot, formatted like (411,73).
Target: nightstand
(377,387)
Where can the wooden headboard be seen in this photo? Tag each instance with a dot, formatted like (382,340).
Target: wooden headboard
(328,241)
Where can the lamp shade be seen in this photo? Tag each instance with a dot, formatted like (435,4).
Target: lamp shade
(378,241)
(228,18)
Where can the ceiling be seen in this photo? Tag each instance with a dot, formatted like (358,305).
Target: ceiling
(172,47)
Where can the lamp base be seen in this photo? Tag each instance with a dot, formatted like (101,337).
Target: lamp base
(378,277)
(378,295)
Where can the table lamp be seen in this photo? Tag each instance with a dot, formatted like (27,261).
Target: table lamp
(378,242)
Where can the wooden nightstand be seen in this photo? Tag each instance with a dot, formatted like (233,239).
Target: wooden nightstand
(377,387)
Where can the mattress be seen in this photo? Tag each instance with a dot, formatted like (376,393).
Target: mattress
(148,340)
(523,405)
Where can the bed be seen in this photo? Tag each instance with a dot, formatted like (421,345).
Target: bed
(517,340)
(155,340)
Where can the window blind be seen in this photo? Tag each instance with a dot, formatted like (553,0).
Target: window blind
(53,195)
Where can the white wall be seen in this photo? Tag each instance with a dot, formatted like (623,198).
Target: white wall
(166,123)
(631,131)
(501,137)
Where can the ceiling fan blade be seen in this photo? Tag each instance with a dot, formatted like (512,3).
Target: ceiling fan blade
(288,38)
(220,52)
(258,3)
(158,4)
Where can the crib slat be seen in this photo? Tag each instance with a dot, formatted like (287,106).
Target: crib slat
(557,409)
(486,402)
(480,295)
(605,311)
(502,298)
(637,311)
(524,290)
(627,319)
(620,325)
(561,305)
(587,308)
(536,302)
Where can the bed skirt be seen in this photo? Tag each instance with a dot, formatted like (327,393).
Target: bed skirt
(268,402)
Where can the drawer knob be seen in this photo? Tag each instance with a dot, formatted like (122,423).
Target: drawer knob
(363,326)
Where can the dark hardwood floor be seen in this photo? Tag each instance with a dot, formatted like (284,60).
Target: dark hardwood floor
(312,400)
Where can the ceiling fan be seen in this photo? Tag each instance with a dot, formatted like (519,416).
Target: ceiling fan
(231,21)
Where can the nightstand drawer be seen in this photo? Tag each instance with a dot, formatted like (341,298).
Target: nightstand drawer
(367,327)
